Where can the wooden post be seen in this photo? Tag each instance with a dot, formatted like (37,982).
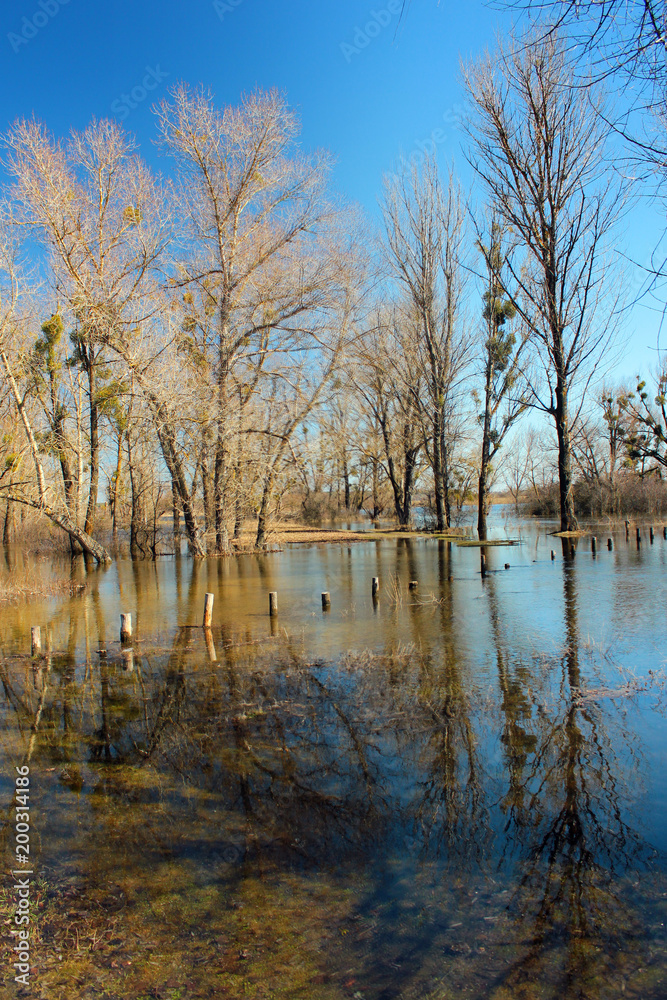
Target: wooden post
(375,586)
(553,555)
(664,532)
(36,640)
(610,544)
(273,603)
(413,584)
(651,534)
(507,565)
(208,610)
(639,538)
(627,530)
(125,628)
(326,600)
(594,544)
(482,560)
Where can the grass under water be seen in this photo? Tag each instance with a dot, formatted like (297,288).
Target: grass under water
(267,825)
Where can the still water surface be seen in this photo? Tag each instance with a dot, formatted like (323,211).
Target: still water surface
(458,790)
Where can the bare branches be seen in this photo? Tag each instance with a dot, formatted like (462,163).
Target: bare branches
(537,144)
(426,246)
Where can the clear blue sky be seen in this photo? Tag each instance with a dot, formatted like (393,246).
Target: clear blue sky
(367,83)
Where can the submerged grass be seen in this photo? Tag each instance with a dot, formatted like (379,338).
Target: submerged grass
(275,827)
(26,584)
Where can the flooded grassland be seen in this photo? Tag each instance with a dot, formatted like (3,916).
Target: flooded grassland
(454,790)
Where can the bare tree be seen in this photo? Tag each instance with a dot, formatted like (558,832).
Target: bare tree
(517,470)
(625,39)
(504,382)
(11,323)
(388,383)
(537,144)
(425,239)
(103,221)
(256,265)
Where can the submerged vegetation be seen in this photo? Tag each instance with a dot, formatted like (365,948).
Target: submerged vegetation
(390,823)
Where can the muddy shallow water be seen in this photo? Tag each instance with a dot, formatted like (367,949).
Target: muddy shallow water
(458,790)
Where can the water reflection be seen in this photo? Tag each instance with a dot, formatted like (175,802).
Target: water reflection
(466,814)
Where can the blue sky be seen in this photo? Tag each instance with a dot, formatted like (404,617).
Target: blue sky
(367,83)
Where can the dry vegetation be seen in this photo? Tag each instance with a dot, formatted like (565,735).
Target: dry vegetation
(219,348)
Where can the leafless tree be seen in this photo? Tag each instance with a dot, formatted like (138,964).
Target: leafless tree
(505,385)
(257,264)
(425,239)
(387,378)
(537,144)
(12,338)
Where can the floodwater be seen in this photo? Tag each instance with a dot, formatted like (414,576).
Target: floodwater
(457,790)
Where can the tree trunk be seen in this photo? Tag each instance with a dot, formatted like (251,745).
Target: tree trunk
(8,526)
(136,513)
(220,496)
(376,489)
(438,481)
(116,485)
(568,520)
(239,504)
(482,505)
(209,516)
(260,538)
(483,485)
(408,486)
(176,515)
(444,451)
(91,512)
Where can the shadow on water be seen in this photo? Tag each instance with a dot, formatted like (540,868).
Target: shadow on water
(226,814)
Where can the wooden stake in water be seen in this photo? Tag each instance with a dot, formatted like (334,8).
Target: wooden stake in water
(125,628)
(639,538)
(610,544)
(553,555)
(482,560)
(36,640)
(375,586)
(594,544)
(208,610)
(273,603)
(651,534)
(326,600)
(627,530)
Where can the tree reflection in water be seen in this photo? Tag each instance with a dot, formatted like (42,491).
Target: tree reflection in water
(569,795)
(398,775)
